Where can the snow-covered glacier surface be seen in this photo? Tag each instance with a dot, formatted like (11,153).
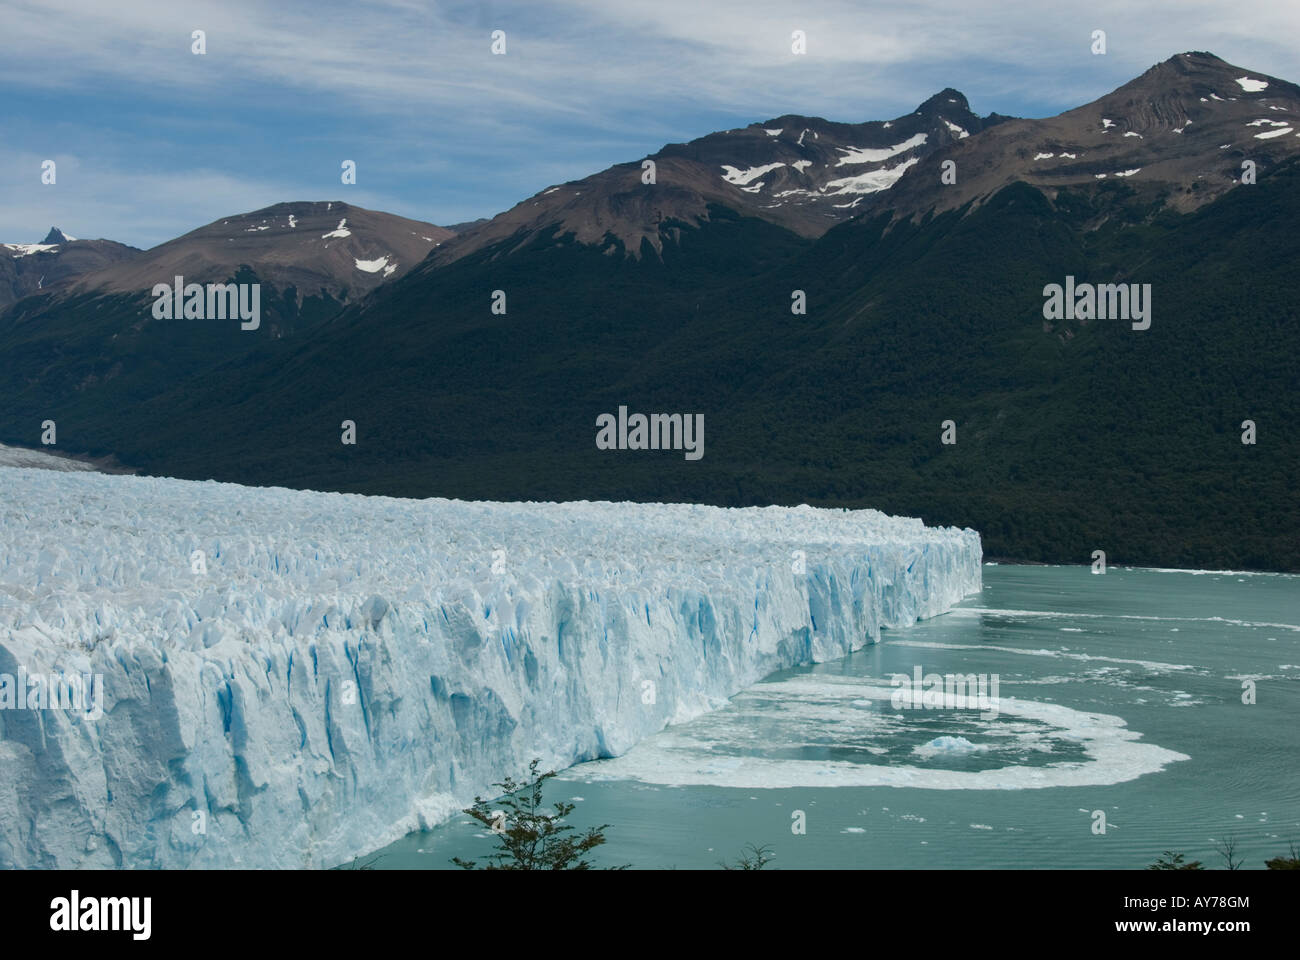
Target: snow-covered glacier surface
(22,457)
(294,678)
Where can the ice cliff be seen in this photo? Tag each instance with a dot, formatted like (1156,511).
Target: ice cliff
(294,678)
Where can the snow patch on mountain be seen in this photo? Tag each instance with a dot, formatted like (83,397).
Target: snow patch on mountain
(741,177)
(1251,85)
(27,249)
(873,155)
(872,182)
(340,231)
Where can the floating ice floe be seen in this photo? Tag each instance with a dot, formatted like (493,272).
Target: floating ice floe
(718,749)
(949,746)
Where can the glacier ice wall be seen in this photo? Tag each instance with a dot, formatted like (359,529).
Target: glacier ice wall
(293,678)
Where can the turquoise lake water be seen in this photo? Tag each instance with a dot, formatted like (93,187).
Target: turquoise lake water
(1120,697)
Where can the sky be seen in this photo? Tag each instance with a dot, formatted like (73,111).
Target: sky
(151,140)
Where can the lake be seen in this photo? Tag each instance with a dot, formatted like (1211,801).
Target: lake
(1119,732)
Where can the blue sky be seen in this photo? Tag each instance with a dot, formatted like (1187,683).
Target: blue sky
(152,141)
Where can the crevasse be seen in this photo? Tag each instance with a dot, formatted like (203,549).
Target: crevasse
(295,678)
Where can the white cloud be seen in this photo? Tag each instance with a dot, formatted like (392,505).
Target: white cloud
(584,83)
(570,58)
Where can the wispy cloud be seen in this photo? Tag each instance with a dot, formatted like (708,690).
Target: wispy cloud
(442,129)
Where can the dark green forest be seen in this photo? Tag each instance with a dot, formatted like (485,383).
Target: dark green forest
(1072,436)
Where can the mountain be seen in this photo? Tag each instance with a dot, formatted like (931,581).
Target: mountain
(804,174)
(329,250)
(95,337)
(27,268)
(1073,434)
(1175,136)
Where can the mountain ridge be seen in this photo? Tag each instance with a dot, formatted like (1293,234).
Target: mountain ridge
(1177,134)
(804,174)
(316,247)
(31,268)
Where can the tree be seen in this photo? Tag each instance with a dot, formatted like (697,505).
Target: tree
(529,837)
(1285,863)
(1228,850)
(1174,861)
(751,858)
(358,865)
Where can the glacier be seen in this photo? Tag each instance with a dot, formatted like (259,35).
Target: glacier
(294,678)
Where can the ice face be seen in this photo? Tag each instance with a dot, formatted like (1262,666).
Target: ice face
(293,678)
